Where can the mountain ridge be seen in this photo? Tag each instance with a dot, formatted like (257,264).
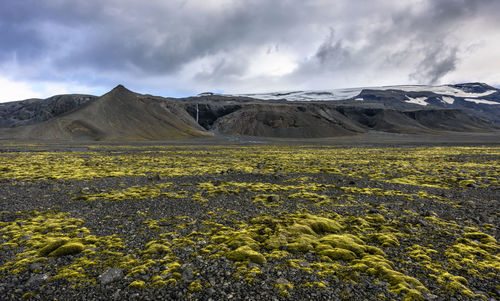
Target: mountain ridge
(123,115)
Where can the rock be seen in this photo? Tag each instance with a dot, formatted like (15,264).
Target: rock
(37,280)
(273,198)
(429,296)
(111,275)
(210,291)
(116,295)
(35,266)
(282,280)
(187,274)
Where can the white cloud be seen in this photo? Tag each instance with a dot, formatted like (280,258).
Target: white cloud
(12,90)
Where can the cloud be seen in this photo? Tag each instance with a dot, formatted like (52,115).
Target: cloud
(436,64)
(184,46)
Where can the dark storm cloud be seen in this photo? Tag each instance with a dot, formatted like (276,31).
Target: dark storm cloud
(331,52)
(158,37)
(436,63)
(335,41)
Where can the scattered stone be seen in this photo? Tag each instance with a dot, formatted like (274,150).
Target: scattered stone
(37,280)
(111,275)
(273,198)
(116,295)
(429,296)
(282,280)
(35,266)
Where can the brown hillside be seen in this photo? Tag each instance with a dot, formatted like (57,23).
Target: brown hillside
(118,115)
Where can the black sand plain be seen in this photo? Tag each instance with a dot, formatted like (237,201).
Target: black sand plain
(376,216)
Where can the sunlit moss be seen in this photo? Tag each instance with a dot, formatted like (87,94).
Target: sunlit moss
(69,248)
(246,253)
(138,284)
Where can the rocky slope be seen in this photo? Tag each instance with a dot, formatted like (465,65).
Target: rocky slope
(30,111)
(122,115)
(119,115)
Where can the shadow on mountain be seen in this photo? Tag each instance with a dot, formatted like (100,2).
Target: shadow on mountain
(122,115)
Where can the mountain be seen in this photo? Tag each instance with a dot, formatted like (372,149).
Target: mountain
(478,99)
(286,119)
(122,115)
(30,111)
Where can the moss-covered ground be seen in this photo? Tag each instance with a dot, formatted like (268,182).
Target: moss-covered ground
(290,222)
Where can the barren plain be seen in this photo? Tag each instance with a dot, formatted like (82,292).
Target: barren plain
(250,220)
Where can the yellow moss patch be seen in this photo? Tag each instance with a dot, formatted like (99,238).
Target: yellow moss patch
(246,253)
(69,248)
(338,254)
(195,286)
(138,284)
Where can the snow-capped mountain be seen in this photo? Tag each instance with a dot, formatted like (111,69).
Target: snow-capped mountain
(476,98)
(466,91)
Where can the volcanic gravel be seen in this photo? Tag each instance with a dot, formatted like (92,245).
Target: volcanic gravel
(120,217)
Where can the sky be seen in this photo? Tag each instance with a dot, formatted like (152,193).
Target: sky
(185,47)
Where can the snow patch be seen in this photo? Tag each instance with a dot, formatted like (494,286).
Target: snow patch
(323,95)
(482,101)
(342,94)
(417,101)
(443,90)
(448,100)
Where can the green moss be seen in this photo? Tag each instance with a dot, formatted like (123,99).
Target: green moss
(240,240)
(386,239)
(299,229)
(278,254)
(375,251)
(52,245)
(195,286)
(482,237)
(345,241)
(283,286)
(322,225)
(464,183)
(138,284)
(375,219)
(157,248)
(337,253)
(454,284)
(400,284)
(246,253)
(29,295)
(276,241)
(315,284)
(69,248)
(302,244)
